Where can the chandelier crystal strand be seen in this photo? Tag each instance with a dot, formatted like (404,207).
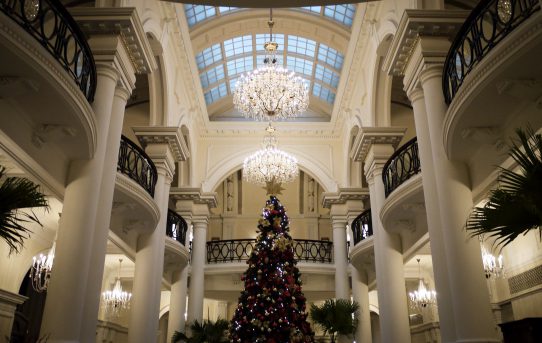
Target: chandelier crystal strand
(40,272)
(271,92)
(422,297)
(270,164)
(493,266)
(116,300)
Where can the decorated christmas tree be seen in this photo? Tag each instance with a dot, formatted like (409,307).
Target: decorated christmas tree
(272,306)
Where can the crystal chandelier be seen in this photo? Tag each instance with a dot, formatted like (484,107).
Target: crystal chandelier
(117,299)
(493,266)
(422,297)
(40,272)
(270,166)
(271,92)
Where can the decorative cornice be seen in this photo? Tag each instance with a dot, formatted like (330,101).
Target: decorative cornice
(416,23)
(343,195)
(164,135)
(11,299)
(368,136)
(123,21)
(195,195)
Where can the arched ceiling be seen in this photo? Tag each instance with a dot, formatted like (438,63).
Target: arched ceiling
(228,42)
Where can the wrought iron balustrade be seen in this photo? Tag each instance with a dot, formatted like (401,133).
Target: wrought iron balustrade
(54,28)
(176,227)
(362,226)
(486,26)
(134,163)
(401,166)
(236,250)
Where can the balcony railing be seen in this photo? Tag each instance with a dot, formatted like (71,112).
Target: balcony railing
(401,166)
(236,250)
(134,163)
(54,28)
(176,227)
(486,26)
(362,226)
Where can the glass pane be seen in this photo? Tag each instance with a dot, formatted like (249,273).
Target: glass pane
(326,75)
(323,93)
(215,93)
(342,13)
(301,45)
(330,56)
(196,13)
(237,46)
(208,56)
(211,76)
(299,65)
(240,65)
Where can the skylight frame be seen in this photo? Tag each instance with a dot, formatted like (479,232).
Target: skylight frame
(316,62)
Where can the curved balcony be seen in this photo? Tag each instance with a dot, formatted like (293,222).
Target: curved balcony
(485,27)
(176,227)
(134,163)
(401,166)
(54,28)
(362,226)
(236,250)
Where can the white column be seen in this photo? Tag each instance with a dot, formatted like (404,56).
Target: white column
(472,311)
(388,255)
(63,314)
(360,293)
(197,275)
(177,303)
(438,248)
(101,232)
(342,290)
(149,263)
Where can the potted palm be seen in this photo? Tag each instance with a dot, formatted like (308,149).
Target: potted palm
(17,193)
(206,332)
(515,206)
(336,317)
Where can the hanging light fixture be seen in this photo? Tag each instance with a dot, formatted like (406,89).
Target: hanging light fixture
(270,166)
(116,300)
(493,266)
(422,297)
(40,272)
(271,92)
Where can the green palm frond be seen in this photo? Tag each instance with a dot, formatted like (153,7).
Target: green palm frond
(515,207)
(15,194)
(206,332)
(335,316)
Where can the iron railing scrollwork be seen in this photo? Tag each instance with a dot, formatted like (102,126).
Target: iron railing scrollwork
(486,26)
(176,227)
(401,166)
(236,250)
(55,29)
(134,163)
(362,226)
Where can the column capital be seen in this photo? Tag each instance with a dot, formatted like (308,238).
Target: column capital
(367,136)
(185,195)
(377,157)
(343,196)
(415,93)
(162,157)
(122,92)
(171,136)
(121,22)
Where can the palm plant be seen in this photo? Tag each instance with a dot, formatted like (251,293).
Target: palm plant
(336,317)
(17,193)
(206,332)
(515,207)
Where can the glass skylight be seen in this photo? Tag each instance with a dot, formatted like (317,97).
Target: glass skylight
(343,14)
(221,64)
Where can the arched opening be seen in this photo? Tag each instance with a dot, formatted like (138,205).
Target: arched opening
(28,315)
